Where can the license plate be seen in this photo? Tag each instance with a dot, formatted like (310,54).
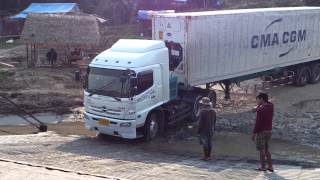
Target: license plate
(104,122)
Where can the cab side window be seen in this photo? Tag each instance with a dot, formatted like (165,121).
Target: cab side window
(145,81)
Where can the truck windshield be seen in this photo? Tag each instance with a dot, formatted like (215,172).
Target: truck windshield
(108,82)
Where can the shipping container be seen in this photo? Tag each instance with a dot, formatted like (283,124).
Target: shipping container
(230,44)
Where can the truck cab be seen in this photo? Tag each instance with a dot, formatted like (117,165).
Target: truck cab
(124,84)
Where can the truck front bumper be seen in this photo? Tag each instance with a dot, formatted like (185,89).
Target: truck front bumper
(115,127)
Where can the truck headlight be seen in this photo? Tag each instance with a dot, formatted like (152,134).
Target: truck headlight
(126,124)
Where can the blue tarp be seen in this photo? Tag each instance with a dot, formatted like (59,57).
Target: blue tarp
(181,1)
(147,14)
(46,8)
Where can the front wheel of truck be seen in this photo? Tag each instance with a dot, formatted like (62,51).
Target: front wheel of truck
(152,127)
(196,108)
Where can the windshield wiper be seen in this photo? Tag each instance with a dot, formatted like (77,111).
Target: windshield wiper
(103,87)
(116,98)
(95,92)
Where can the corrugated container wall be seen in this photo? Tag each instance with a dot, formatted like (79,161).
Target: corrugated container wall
(229,44)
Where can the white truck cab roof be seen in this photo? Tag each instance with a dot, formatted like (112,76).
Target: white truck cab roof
(137,46)
(127,53)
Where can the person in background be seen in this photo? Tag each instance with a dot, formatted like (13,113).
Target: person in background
(262,130)
(218,3)
(52,56)
(207,121)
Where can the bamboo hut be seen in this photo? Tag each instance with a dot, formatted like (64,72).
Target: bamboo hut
(42,32)
(13,25)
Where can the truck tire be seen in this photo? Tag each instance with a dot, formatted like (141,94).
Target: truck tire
(100,135)
(302,76)
(314,73)
(196,108)
(152,127)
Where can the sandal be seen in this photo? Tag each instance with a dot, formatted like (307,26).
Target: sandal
(270,169)
(206,159)
(260,169)
(203,159)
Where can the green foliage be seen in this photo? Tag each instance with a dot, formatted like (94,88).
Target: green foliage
(125,11)
(244,4)
(312,2)
(118,11)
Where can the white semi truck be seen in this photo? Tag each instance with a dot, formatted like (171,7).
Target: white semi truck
(140,87)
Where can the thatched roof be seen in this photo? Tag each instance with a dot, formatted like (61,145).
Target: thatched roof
(61,29)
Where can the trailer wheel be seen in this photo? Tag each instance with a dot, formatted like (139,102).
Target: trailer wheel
(196,108)
(152,127)
(314,74)
(302,76)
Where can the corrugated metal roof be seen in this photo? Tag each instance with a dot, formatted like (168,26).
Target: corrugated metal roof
(47,8)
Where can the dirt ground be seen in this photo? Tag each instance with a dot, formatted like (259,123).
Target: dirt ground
(234,156)
(37,89)
(65,129)
(42,90)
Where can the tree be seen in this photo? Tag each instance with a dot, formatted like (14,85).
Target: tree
(312,2)
(119,11)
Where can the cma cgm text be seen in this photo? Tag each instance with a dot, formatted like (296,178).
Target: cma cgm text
(272,39)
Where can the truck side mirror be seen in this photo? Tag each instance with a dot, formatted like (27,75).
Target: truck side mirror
(133,86)
(133,82)
(85,83)
(133,90)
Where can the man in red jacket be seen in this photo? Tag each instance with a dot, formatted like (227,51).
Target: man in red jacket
(262,130)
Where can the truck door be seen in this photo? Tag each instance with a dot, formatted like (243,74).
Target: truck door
(159,84)
(149,89)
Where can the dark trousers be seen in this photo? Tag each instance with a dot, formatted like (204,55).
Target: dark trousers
(207,146)
(207,150)
(52,61)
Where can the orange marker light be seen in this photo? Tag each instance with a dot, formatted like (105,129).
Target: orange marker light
(160,35)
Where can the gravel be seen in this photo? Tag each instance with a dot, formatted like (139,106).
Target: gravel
(296,117)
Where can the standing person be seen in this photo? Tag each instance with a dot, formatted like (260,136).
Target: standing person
(52,56)
(207,121)
(262,130)
(218,3)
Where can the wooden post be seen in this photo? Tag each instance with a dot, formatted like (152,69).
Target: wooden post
(27,49)
(33,54)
